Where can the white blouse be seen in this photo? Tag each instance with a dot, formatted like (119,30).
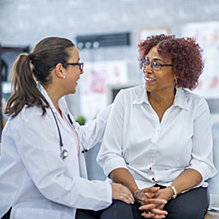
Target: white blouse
(157,152)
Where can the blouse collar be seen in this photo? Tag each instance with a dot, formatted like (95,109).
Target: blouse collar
(180,99)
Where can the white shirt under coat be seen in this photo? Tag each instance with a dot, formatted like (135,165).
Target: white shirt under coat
(157,152)
(34,180)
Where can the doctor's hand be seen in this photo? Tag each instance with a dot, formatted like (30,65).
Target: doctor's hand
(122,193)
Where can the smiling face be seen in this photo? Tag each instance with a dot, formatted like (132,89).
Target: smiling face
(72,72)
(162,80)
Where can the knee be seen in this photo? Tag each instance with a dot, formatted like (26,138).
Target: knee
(186,214)
(118,210)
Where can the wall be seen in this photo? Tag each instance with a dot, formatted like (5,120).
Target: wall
(25,22)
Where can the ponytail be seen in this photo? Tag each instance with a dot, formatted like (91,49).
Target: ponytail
(24,89)
(36,66)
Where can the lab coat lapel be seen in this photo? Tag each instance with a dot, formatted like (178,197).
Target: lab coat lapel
(62,105)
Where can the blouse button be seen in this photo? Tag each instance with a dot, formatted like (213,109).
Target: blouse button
(150,168)
(153,179)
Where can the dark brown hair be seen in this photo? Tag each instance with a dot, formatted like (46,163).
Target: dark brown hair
(184,52)
(28,69)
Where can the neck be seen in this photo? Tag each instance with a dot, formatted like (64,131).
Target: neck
(160,102)
(166,97)
(54,96)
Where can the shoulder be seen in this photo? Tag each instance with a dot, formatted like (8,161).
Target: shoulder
(30,119)
(27,116)
(194,101)
(192,97)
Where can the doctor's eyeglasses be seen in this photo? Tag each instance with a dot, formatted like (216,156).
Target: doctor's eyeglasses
(156,64)
(81,65)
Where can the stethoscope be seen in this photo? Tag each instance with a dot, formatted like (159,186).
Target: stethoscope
(64,152)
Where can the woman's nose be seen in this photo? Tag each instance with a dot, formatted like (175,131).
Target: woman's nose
(147,69)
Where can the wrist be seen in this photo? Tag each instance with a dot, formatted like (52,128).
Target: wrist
(134,189)
(135,192)
(139,196)
(174,192)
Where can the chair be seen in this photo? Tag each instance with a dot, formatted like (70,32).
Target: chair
(214,203)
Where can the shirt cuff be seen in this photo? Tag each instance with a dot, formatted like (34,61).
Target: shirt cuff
(112,164)
(204,169)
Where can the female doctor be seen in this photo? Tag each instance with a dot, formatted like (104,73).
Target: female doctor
(42,165)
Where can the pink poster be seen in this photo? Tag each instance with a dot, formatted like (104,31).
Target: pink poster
(93,85)
(207,35)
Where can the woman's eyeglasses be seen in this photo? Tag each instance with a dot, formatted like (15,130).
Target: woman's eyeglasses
(155,63)
(81,65)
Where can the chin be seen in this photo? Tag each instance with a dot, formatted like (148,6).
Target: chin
(74,91)
(147,88)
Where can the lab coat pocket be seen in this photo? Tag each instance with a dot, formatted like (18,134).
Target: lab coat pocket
(34,213)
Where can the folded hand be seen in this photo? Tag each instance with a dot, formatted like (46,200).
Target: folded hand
(151,203)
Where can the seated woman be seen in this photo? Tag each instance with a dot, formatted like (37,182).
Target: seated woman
(159,134)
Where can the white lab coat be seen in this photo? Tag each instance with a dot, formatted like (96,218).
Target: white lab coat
(34,180)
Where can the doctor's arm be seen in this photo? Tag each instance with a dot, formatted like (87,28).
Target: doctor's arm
(37,141)
(92,132)
(40,153)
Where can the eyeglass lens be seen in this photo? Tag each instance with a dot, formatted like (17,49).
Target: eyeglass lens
(155,65)
(81,66)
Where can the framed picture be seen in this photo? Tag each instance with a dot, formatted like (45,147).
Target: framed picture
(113,90)
(206,35)
(93,85)
(145,32)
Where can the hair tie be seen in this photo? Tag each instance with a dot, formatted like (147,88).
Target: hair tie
(31,56)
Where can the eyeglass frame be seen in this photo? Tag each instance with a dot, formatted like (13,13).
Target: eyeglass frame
(147,62)
(81,65)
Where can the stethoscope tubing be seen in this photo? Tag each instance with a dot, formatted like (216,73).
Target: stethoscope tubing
(64,152)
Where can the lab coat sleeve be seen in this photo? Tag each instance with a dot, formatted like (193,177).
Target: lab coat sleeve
(37,141)
(110,156)
(202,152)
(92,133)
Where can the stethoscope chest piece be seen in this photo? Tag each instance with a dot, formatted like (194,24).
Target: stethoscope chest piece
(64,153)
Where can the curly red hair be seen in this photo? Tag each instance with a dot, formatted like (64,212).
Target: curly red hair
(184,52)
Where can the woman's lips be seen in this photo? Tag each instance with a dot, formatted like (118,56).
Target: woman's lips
(149,80)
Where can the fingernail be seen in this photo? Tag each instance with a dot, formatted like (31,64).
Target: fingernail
(130,202)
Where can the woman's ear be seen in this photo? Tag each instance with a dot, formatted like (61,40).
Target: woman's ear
(175,77)
(59,71)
